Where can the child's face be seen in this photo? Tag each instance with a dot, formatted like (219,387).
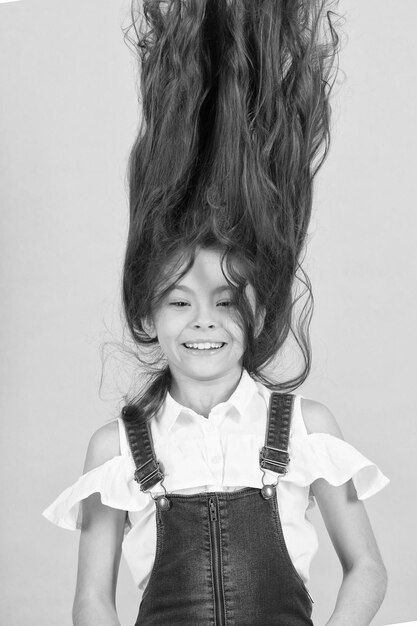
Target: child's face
(199,310)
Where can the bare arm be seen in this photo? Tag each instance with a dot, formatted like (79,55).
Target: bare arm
(100,543)
(364,575)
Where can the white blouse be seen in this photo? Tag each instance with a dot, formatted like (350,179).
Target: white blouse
(219,453)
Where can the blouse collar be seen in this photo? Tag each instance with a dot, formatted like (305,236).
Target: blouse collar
(240,398)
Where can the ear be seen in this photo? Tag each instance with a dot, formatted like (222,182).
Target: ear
(149,327)
(260,318)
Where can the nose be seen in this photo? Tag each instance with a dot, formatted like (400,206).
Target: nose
(204,318)
(204,325)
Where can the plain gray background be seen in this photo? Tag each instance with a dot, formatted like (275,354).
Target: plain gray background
(68,115)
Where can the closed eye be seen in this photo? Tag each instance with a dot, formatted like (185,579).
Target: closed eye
(180,303)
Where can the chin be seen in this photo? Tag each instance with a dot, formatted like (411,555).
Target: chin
(206,372)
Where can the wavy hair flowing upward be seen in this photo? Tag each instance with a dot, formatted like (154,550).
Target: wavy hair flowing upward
(235,125)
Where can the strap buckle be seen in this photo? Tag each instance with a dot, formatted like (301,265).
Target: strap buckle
(274,459)
(148,479)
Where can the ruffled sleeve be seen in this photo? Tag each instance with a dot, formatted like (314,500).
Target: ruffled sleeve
(113,480)
(320,455)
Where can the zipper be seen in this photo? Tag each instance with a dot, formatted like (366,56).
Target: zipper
(216,561)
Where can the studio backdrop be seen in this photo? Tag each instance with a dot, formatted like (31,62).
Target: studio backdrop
(68,116)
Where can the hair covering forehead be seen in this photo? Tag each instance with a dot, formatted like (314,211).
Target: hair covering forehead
(176,266)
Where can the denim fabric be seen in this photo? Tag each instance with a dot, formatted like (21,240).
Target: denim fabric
(254,583)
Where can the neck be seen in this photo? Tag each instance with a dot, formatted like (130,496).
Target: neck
(202,395)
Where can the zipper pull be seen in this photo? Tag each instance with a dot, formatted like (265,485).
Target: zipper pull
(212,508)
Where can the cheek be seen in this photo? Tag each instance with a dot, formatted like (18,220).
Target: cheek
(235,330)
(169,326)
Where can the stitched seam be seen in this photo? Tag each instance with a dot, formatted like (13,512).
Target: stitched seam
(211,565)
(159,549)
(222,495)
(222,566)
(284,549)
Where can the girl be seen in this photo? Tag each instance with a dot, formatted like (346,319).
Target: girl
(206,477)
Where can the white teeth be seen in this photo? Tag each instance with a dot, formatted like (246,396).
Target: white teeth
(203,346)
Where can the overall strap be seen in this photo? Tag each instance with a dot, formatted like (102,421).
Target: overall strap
(274,455)
(148,473)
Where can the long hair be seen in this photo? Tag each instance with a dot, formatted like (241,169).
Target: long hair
(235,126)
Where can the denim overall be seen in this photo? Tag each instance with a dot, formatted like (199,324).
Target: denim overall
(221,558)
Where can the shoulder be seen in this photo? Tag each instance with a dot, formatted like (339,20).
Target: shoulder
(319,419)
(104,444)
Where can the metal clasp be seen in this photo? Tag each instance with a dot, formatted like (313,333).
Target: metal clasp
(268,489)
(162,501)
(155,472)
(280,464)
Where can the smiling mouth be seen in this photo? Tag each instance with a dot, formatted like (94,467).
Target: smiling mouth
(213,345)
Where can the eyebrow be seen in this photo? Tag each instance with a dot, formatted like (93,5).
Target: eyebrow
(188,290)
